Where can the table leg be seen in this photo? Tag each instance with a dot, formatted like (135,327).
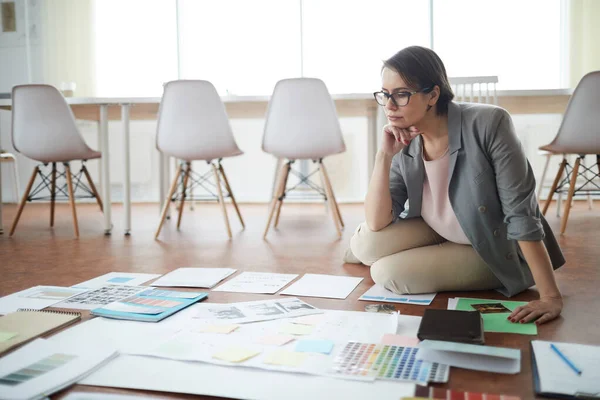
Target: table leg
(127,168)
(105,168)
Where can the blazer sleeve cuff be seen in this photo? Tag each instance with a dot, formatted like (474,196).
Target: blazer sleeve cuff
(525,228)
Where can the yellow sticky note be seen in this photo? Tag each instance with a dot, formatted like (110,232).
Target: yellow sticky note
(285,358)
(296,329)
(235,354)
(218,328)
(4,336)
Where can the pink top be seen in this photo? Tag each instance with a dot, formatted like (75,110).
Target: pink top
(436,209)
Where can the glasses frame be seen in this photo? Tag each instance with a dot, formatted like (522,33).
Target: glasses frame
(389,96)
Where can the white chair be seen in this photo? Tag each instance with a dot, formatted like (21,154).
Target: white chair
(475,89)
(579,134)
(44,129)
(302,124)
(193,126)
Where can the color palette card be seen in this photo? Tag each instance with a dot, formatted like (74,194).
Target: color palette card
(43,367)
(149,306)
(117,278)
(379,361)
(431,392)
(495,313)
(379,293)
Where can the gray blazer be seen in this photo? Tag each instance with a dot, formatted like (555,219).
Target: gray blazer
(491,190)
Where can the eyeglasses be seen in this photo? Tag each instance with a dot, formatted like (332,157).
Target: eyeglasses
(400,99)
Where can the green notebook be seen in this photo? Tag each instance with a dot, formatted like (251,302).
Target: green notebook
(496,321)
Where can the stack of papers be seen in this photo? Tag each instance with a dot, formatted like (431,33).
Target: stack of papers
(194,277)
(36,298)
(379,293)
(44,367)
(471,356)
(256,282)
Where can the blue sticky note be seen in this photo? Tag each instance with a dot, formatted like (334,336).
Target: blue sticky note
(119,279)
(314,346)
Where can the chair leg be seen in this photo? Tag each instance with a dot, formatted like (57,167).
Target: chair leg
(93,187)
(281,197)
(543,179)
(221,199)
(235,205)
(278,192)
(52,194)
(167,203)
(183,192)
(23,201)
(72,198)
(565,218)
(278,163)
(16,178)
(554,185)
(328,183)
(332,205)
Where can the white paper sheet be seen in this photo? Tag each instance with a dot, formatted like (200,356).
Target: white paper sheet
(252,311)
(147,373)
(99,297)
(117,278)
(194,277)
(51,367)
(36,298)
(107,396)
(256,282)
(379,293)
(469,356)
(452,303)
(328,286)
(557,377)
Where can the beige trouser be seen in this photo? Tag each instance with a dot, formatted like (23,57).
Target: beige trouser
(409,257)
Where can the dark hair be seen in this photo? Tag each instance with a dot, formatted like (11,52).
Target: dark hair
(422,69)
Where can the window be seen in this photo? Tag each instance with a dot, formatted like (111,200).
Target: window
(519,41)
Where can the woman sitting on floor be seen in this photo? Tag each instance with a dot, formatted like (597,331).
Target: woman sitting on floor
(451,205)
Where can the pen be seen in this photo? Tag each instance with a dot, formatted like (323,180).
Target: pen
(565,359)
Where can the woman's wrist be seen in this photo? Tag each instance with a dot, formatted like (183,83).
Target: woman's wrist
(384,157)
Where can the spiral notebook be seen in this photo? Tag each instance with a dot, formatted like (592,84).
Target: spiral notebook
(23,325)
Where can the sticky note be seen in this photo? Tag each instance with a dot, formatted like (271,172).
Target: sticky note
(285,358)
(218,328)
(308,319)
(296,329)
(399,340)
(4,336)
(314,346)
(275,340)
(235,354)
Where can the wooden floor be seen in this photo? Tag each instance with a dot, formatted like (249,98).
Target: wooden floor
(306,242)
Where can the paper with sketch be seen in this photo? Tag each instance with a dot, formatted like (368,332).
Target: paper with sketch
(256,282)
(36,298)
(253,311)
(328,286)
(194,277)
(117,278)
(379,293)
(471,356)
(42,367)
(100,297)
(555,375)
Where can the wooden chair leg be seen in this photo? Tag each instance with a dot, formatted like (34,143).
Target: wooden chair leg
(221,199)
(52,194)
(23,201)
(93,187)
(167,204)
(565,218)
(183,192)
(235,205)
(72,198)
(331,201)
(280,198)
(328,183)
(278,192)
(554,185)
(543,179)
